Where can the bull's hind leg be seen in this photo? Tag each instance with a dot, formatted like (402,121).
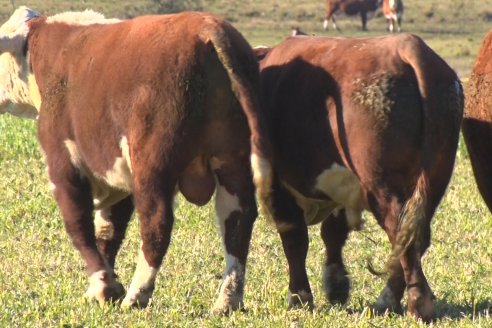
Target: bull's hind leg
(334,231)
(153,196)
(111,224)
(391,295)
(408,273)
(236,212)
(289,219)
(73,194)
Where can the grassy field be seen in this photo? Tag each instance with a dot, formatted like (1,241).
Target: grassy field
(42,278)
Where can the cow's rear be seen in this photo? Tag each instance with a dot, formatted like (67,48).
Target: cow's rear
(360,124)
(132,111)
(364,8)
(393,12)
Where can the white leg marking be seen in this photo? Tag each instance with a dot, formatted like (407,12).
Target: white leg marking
(231,290)
(142,285)
(103,286)
(325,24)
(225,204)
(104,228)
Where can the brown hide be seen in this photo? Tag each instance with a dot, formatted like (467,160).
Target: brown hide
(128,90)
(477,123)
(350,8)
(393,13)
(388,110)
(181,92)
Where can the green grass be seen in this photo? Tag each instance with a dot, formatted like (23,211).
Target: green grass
(42,278)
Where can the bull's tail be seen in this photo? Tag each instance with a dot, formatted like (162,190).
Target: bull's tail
(442,109)
(413,216)
(244,78)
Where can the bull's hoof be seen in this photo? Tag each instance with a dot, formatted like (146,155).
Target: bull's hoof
(104,288)
(230,294)
(138,299)
(301,299)
(387,303)
(221,309)
(421,305)
(336,284)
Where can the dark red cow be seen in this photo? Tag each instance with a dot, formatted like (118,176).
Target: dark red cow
(393,12)
(477,123)
(130,112)
(364,8)
(360,124)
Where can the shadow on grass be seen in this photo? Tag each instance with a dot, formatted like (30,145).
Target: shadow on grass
(444,310)
(456,311)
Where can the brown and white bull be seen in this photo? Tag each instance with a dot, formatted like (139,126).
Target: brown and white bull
(393,12)
(477,123)
(359,124)
(130,112)
(364,8)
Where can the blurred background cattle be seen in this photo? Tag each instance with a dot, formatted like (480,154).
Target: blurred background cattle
(393,12)
(364,8)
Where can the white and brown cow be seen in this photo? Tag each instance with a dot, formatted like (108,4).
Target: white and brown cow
(359,124)
(393,12)
(477,123)
(131,111)
(364,8)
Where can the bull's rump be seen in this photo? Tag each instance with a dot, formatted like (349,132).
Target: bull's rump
(353,101)
(153,79)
